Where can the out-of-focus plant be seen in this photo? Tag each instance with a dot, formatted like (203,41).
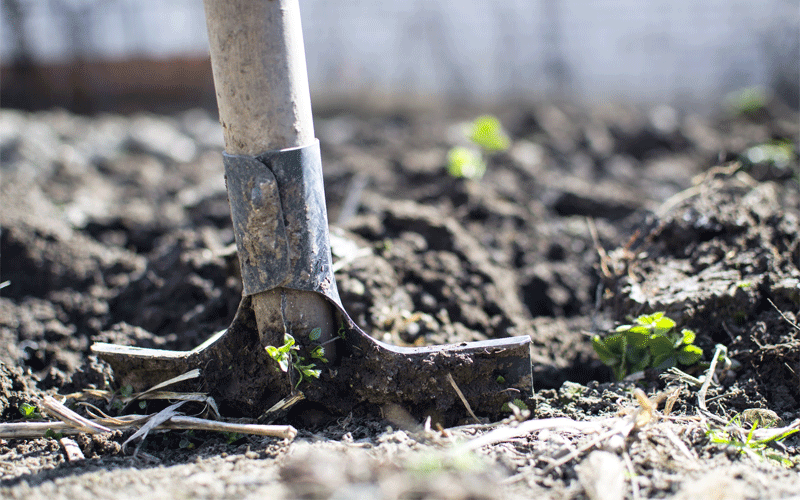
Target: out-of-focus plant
(778,154)
(748,101)
(487,136)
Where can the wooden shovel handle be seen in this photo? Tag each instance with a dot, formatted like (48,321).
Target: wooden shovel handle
(260,74)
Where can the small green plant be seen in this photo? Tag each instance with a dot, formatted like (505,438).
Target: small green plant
(232,437)
(288,354)
(649,343)
(341,332)
(465,162)
(29,411)
(747,101)
(733,436)
(521,406)
(778,154)
(51,434)
(487,135)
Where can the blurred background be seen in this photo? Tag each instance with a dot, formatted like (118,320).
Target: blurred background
(131,55)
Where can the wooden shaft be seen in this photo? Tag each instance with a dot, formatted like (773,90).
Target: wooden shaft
(260,75)
(261,81)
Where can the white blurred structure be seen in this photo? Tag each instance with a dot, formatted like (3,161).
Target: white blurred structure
(683,52)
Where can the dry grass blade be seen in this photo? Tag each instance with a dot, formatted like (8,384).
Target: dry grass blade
(184,396)
(462,398)
(721,350)
(191,374)
(153,422)
(61,412)
(776,433)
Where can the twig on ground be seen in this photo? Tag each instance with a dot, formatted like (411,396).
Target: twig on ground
(783,315)
(26,430)
(462,398)
(72,450)
(61,412)
(671,400)
(182,422)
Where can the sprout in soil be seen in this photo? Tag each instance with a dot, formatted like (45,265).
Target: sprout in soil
(649,343)
(287,354)
(487,136)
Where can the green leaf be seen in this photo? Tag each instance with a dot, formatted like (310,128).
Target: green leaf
(50,433)
(663,325)
(638,359)
(688,336)
(649,320)
(689,355)
(280,357)
(607,357)
(283,363)
(126,391)
(660,346)
(315,334)
(616,343)
(638,338)
(27,410)
(465,163)
(487,132)
(665,361)
(319,353)
(640,329)
(517,402)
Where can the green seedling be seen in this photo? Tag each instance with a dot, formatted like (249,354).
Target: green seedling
(232,437)
(487,135)
(521,406)
(287,355)
(466,163)
(778,154)
(341,332)
(733,437)
(747,101)
(649,343)
(29,411)
(51,434)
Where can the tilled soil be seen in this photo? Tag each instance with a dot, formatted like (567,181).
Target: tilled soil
(117,229)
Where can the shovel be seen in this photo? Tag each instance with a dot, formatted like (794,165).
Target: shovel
(291,337)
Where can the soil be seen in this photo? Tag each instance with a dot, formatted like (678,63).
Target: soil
(117,229)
